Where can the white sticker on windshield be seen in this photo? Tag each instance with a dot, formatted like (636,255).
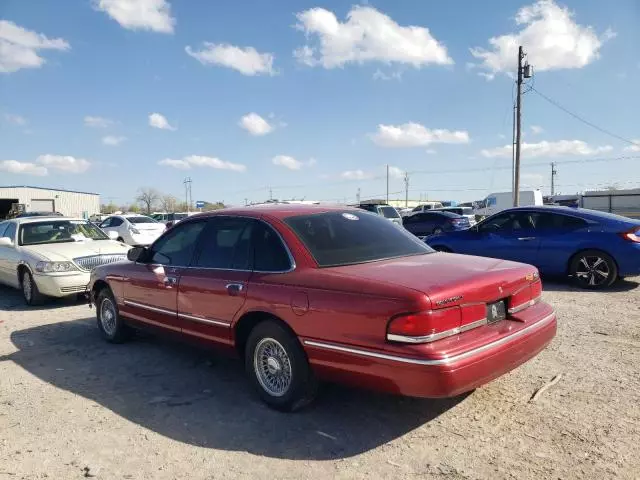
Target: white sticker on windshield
(350,216)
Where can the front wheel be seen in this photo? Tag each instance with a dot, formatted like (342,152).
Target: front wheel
(278,368)
(110,323)
(30,292)
(593,269)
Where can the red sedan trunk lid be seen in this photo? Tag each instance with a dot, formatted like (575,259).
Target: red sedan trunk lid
(448,279)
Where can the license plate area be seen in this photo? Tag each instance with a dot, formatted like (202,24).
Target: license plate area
(496,311)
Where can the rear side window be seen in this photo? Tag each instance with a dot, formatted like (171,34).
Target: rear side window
(225,244)
(389,212)
(553,220)
(269,253)
(116,222)
(177,245)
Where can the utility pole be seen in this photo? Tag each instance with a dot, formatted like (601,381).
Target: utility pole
(246,202)
(554,172)
(187,193)
(270,193)
(387,183)
(516,170)
(358,196)
(513,153)
(406,189)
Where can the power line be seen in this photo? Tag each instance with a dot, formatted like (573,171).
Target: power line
(586,122)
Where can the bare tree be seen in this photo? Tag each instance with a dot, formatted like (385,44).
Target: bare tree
(169,203)
(148,197)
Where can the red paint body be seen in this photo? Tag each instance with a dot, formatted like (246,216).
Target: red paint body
(341,314)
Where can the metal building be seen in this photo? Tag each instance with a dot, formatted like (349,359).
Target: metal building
(38,199)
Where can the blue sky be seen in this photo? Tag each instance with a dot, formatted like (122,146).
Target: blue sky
(330,93)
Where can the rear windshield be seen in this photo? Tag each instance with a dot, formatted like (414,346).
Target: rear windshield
(389,212)
(141,220)
(347,238)
(461,210)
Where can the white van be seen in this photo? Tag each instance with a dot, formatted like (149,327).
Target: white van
(496,202)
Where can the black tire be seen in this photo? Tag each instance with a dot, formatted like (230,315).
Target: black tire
(267,342)
(30,292)
(588,269)
(442,248)
(111,325)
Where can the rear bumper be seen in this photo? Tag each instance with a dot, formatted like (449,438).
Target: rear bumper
(629,261)
(432,378)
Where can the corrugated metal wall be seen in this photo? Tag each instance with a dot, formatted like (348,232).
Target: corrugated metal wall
(71,204)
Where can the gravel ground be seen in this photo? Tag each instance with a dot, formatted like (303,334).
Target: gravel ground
(72,406)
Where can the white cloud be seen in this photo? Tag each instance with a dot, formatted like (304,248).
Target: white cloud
(312,162)
(201,161)
(255,124)
(552,40)
(97,122)
(415,135)
(633,148)
(113,140)
(355,175)
(430,151)
(64,163)
(536,129)
(247,60)
(25,168)
(287,162)
(15,119)
(157,120)
(380,75)
(548,149)
(395,172)
(367,35)
(154,15)
(19,47)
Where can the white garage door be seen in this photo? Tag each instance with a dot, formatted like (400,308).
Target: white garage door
(39,205)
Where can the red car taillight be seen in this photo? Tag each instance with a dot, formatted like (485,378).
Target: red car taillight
(424,327)
(631,235)
(525,297)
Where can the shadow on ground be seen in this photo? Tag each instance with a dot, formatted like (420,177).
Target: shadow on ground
(195,398)
(11,299)
(566,285)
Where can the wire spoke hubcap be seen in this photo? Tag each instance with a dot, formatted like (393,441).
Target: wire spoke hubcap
(272,367)
(593,271)
(108,317)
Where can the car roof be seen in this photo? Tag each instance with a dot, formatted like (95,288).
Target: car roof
(575,211)
(278,210)
(44,219)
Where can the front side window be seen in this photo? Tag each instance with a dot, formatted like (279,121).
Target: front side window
(176,247)
(347,238)
(116,222)
(59,231)
(509,222)
(3,227)
(106,223)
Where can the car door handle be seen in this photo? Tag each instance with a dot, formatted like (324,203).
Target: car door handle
(170,281)
(526,239)
(234,288)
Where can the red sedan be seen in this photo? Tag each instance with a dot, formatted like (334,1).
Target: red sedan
(308,293)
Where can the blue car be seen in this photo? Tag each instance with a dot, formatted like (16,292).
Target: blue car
(427,223)
(594,248)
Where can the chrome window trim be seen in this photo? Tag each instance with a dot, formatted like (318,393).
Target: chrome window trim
(441,361)
(525,305)
(206,321)
(437,336)
(150,308)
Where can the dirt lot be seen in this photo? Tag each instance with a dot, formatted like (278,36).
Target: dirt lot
(72,406)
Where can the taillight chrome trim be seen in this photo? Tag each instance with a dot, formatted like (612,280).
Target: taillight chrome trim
(392,337)
(522,306)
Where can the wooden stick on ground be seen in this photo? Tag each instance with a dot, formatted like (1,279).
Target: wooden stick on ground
(545,387)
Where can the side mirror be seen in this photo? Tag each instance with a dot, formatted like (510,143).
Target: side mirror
(112,235)
(5,242)
(136,254)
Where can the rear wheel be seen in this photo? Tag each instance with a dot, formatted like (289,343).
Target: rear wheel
(110,323)
(593,269)
(278,368)
(30,292)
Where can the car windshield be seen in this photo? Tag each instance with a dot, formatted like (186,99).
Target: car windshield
(352,237)
(58,231)
(389,212)
(141,220)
